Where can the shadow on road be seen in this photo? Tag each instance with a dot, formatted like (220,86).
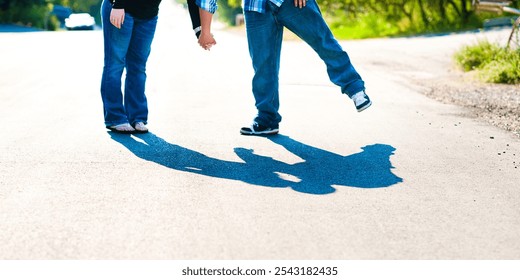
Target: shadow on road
(318,173)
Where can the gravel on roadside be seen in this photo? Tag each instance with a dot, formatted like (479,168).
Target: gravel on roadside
(497,104)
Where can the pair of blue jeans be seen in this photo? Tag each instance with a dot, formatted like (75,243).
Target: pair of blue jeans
(126,48)
(264,35)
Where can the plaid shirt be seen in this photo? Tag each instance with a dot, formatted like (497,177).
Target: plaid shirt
(249,5)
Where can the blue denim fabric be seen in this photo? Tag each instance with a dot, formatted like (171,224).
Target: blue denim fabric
(128,47)
(264,35)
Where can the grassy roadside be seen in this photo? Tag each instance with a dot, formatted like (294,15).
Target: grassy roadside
(490,62)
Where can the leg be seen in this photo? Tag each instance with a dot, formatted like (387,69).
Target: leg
(138,52)
(116,42)
(264,37)
(309,25)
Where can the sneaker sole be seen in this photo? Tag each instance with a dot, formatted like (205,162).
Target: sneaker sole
(115,130)
(362,108)
(270,132)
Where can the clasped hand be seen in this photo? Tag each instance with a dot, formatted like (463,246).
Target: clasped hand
(206,40)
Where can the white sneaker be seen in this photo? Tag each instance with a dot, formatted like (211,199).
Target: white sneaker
(361,101)
(124,128)
(140,127)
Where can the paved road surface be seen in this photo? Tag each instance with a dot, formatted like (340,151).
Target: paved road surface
(410,178)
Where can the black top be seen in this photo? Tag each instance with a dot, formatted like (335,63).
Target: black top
(195,16)
(142,9)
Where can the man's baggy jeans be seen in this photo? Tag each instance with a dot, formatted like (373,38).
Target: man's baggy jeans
(264,35)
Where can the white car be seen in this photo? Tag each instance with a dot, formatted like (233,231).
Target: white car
(81,21)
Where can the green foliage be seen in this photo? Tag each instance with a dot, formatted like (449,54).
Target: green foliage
(82,6)
(492,62)
(472,57)
(379,18)
(227,10)
(37,13)
(53,23)
(367,26)
(505,70)
(398,17)
(6,4)
(25,12)
(234,3)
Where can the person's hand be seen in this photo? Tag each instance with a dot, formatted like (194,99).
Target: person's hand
(206,40)
(117,17)
(300,3)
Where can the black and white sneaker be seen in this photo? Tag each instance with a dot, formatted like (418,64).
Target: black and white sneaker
(361,101)
(258,129)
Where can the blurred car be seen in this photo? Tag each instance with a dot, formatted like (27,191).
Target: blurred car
(81,21)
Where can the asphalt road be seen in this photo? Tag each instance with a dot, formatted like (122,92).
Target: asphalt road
(410,178)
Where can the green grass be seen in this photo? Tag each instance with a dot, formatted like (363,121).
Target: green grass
(491,62)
